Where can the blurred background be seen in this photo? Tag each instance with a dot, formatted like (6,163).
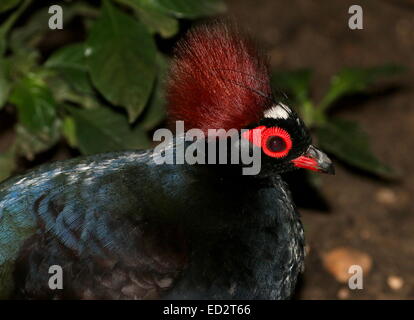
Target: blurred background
(90,88)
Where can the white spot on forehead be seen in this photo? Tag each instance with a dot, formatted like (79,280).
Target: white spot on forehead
(279,111)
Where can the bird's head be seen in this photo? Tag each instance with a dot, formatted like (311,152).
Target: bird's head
(220,80)
(285,142)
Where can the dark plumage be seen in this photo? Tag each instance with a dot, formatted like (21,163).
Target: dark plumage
(123,227)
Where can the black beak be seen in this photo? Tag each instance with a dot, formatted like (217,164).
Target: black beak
(316,160)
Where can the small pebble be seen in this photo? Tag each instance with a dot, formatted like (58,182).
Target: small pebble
(365,234)
(343,294)
(338,261)
(386,196)
(395,282)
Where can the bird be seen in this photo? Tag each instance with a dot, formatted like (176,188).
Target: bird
(119,225)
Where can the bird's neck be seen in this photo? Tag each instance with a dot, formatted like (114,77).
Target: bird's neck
(249,240)
(226,155)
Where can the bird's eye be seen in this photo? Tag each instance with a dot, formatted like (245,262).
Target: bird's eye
(276,142)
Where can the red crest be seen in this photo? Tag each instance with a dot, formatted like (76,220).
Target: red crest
(218,80)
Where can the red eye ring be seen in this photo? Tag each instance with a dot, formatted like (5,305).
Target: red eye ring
(278,133)
(266,134)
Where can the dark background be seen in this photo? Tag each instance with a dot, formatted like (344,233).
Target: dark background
(363,213)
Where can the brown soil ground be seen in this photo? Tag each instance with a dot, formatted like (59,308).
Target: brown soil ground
(364,213)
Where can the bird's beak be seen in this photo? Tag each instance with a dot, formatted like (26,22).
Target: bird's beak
(316,160)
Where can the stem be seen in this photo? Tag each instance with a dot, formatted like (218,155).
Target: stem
(12,19)
(128,3)
(326,102)
(4,29)
(86,10)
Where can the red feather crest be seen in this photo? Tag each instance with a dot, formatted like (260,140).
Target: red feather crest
(218,79)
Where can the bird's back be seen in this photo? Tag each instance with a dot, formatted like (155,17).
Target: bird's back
(84,209)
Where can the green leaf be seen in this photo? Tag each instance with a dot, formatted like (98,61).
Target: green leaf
(296,82)
(102,130)
(3,44)
(345,140)
(121,59)
(8,4)
(21,64)
(69,131)
(9,22)
(29,144)
(35,105)
(155,110)
(38,127)
(5,84)
(154,18)
(70,63)
(354,80)
(189,9)
(159,22)
(7,164)
(63,92)
(28,35)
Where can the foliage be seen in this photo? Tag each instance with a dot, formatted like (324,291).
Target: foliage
(102,94)
(342,138)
